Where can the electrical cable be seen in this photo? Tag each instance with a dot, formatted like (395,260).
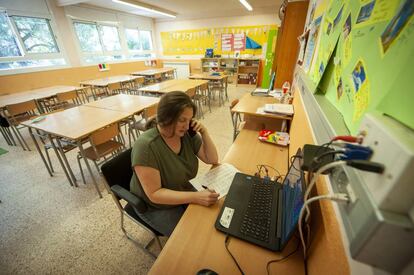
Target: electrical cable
(335,197)
(283,258)
(315,177)
(226,244)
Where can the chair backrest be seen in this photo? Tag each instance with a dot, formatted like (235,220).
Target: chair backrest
(233,103)
(118,171)
(191,92)
(20,108)
(105,134)
(67,96)
(158,76)
(150,111)
(139,81)
(114,86)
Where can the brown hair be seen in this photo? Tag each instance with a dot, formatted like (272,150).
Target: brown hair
(171,106)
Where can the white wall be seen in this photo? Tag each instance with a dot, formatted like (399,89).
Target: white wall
(252,20)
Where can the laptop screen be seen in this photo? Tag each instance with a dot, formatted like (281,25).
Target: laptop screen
(293,191)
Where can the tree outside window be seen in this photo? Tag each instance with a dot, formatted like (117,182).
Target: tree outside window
(88,37)
(36,34)
(8,43)
(145,39)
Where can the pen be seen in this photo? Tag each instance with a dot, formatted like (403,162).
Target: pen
(205,187)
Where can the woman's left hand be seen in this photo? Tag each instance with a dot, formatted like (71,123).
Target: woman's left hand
(198,127)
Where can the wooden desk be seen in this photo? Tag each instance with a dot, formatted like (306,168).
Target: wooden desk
(130,104)
(172,85)
(152,72)
(36,94)
(208,76)
(248,106)
(74,124)
(196,244)
(104,82)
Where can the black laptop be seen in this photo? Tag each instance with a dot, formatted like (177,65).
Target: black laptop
(261,211)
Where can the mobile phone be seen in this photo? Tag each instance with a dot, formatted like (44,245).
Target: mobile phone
(191,131)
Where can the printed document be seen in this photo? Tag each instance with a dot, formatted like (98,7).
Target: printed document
(218,179)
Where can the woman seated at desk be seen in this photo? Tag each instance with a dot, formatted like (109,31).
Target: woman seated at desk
(164,159)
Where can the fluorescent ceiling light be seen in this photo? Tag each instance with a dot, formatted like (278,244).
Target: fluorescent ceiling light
(246,5)
(137,6)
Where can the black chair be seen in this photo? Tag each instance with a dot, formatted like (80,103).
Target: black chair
(117,173)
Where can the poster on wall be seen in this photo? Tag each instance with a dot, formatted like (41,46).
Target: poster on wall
(227,42)
(239,43)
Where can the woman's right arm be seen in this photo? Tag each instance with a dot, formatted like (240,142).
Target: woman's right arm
(151,183)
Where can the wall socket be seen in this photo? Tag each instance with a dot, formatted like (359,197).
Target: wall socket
(393,146)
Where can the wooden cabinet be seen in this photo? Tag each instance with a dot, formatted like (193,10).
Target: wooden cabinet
(248,71)
(226,65)
(287,46)
(241,71)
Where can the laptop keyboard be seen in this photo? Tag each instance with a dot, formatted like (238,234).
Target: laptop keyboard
(256,220)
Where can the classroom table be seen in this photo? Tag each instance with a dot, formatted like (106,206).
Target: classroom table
(36,94)
(130,104)
(153,72)
(195,243)
(172,85)
(103,83)
(74,124)
(213,79)
(248,105)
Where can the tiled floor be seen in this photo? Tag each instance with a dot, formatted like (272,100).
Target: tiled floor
(49,227)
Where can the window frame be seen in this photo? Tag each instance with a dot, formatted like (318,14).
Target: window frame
(84,55)
(27,56)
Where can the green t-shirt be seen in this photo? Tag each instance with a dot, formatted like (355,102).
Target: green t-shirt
(175,169)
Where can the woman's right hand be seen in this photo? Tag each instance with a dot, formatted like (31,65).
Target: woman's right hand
(205,197)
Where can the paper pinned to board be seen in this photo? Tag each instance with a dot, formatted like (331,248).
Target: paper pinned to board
(218,179)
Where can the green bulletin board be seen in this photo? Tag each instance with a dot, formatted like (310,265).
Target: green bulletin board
(371,66)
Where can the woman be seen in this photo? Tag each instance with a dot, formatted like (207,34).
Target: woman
(165,158)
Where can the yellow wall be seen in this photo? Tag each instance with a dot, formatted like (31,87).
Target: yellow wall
(68,76)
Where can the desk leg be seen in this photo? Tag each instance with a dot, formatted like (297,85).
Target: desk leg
(60,159)
(40,151)
(65,160)
(89,168)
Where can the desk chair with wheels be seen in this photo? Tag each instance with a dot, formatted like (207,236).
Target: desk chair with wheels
(117,173)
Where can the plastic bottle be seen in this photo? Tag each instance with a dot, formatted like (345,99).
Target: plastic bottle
(285,93)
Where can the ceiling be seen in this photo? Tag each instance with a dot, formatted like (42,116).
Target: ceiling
(187,9)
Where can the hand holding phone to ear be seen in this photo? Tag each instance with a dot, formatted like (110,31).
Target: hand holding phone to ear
(194,127)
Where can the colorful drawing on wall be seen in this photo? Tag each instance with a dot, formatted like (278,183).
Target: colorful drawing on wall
(338,17)
(329,28)
(227,42)
(358,76)
(339,89)
(396,24)
(310,50)
(194,42)
(362,90)
(365,12)
(347,26)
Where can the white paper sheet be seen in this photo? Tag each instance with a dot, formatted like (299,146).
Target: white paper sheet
(218,179)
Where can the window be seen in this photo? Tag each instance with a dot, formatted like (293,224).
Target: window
(138,40)
(36,34)
(27,42)
(98,43)
(132,37)
(145,39)
(8,43)
(88,37)
(110,38)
